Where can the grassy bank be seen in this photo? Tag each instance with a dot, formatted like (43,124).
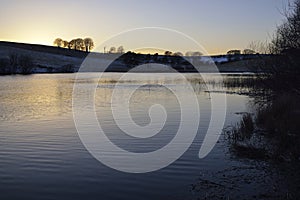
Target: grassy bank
(272,132)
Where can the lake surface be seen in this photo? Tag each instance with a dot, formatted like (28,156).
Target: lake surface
(42,156)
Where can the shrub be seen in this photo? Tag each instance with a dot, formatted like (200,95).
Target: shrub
(243,130)
(281,119)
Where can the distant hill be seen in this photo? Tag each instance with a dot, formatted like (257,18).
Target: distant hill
(41,58)
(32,58)
(45,49)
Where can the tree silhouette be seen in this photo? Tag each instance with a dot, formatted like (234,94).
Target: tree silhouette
(58,42)
(112,50)
(287,36)
(248,51)
(120,49)
(260,47)
(89,44)
(79,44)
(72,44)
(197,53)
(234,52)
(188,53)
(86,44)
(155,57)
(178,54)
(168,53)
(65,44)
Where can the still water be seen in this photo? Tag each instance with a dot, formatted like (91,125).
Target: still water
(42,157)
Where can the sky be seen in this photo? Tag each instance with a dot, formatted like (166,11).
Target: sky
(217,25)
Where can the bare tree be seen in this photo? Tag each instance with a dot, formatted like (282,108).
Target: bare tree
(120,49)
(65,44)
(248,51)
(283,67)
(112,50)
(188,53)
(197,53)
(58,42)
(287,35)
(72,44)
(260,47)
(168,53)
(79,44)
(89,44)
(178,54)
(234,52)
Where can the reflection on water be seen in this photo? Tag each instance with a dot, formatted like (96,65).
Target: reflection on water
(34,97)
(41,156)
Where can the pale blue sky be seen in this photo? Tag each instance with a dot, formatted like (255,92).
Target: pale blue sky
(218,25)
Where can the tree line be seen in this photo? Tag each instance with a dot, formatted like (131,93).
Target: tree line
(188,53)
(238,52)
(120,49)
(86,44)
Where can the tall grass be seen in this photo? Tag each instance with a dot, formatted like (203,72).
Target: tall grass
(244,139)
(243,130)
(277,123)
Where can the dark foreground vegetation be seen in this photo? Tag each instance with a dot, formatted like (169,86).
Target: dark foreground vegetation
(272,132)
